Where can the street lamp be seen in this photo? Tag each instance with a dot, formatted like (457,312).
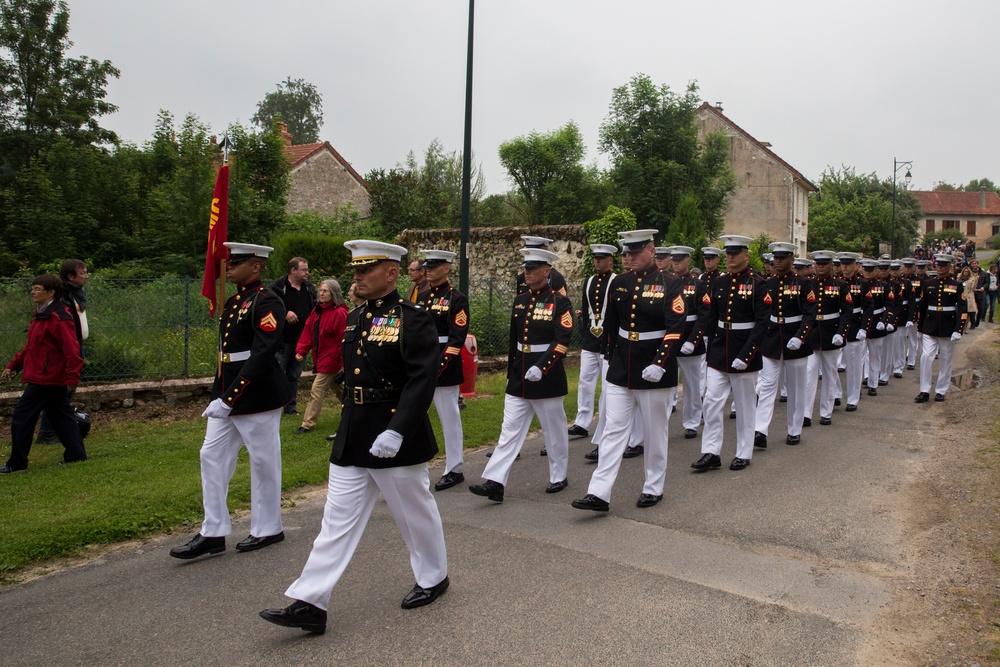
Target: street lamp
(896,166)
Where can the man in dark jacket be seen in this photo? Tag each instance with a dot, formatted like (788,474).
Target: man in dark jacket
(247,396)
(383,443)
(299,297)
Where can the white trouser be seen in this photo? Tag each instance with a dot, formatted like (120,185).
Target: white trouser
(813,372)
(636,434)
(887,349)
(784,384)
(830,389)
(446,404)
(944,349)
(592,366)
(795,378)
(840,357)
(876,347)
(912,345)
(654,406)
(898,350)
(350,498)
(717,390)
(864,359)
(854,353)
(516,420)
(223,440)
(692,369)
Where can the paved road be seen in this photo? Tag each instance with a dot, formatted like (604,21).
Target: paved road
(785,563)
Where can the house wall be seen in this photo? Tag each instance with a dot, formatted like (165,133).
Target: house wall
(321,184)
(986,225)
(766,199)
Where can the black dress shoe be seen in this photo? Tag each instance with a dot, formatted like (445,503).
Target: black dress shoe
(591,502)
(922,397)
(331,438)
(419,596)
(872,391)
(198,546)
(897,375)
(883,383)
(938,397)
(632,452)
(807,421)
(690,433)
(544,452)
(739,464)
(489,489)
(707,462)
(300,615)
(5,469)
(782,399)
(825,421)
(578,432)
(836,402)
(253,543)
(293,411)
(759,440)
(300,431)
(793,440)
(592,456)
(910,367)
(648,500)
(448,480)
(556,487)
(851,407)
(841,370)
(732,414)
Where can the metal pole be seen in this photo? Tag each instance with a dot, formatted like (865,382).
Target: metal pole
(892,239)
(463,262)
(187,321)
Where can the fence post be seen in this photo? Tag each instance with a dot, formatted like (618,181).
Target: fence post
(187,321)
(490,318)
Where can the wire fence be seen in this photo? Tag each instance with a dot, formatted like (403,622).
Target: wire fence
(153,329)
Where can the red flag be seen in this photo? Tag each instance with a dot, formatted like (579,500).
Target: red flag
(218,224)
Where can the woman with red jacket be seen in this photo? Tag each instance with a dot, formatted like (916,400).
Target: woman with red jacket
(50,363)
(323,334)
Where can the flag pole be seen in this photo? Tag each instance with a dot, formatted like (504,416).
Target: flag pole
(222,263)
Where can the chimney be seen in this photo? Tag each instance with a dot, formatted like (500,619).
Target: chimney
(718,106)
(284,133)
(982,197)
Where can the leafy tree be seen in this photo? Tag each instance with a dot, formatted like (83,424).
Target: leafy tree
(258,183)
(499,211)
(976,184)
(687,227)
(605,230)
(44,94)
(554,185)
(942,186)
(296,102)
(651,136)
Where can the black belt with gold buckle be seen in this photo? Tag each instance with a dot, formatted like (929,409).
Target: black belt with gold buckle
(362,395)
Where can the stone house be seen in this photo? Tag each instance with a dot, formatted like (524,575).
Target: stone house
(975,214)
(321,180)
(772,197)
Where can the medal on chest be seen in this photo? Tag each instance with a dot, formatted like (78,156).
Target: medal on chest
(653,292)
(385,329)
(543,311)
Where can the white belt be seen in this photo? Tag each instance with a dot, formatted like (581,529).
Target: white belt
(691,318)
(229,357)
(442,339)
(736,326)
(525,348)
(942,309)
(642,335)
(857,310)
(878,311)
(832,316)
(786,320)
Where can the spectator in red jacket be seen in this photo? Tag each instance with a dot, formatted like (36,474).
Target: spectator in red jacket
(323,335)
(50,366)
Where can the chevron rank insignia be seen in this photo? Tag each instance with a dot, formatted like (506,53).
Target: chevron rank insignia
(706,299)
(767,298)
(461,318)
(268,322)
(678,305)
(811,297)
(566,320)
(849,298)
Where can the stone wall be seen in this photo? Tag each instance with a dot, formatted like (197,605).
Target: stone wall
(321,184)
(493,251)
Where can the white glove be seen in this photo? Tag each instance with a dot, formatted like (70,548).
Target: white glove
(909,323)
(387,444)
(687,348)
(534,374)
(862,334)
(739,365)
(956,336)
(890,328)
(653,373)
(880,326)
(794,344)
(217,409)
(838,340)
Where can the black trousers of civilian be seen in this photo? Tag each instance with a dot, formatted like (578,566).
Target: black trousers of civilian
(53,400)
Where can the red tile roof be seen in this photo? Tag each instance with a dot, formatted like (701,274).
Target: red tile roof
(957,203)
(795,172)
(299,153)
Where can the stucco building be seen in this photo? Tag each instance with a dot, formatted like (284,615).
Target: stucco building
(322,181)
(975,214)
(772,197)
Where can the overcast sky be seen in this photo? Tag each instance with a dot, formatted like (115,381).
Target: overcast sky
(826,83)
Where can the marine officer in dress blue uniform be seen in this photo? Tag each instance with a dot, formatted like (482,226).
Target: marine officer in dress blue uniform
(942,316)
